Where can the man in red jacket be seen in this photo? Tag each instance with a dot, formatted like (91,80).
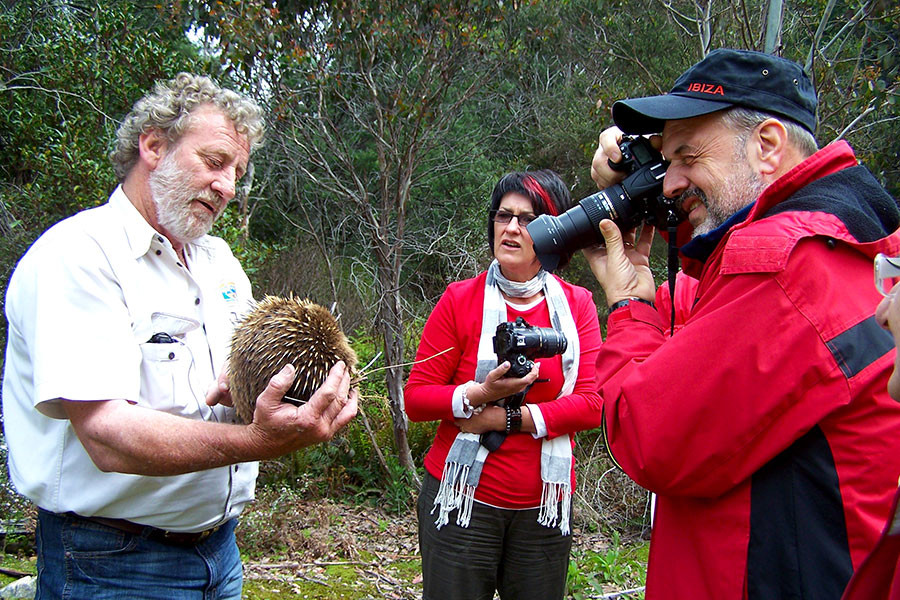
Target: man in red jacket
(879,575)
(763,424)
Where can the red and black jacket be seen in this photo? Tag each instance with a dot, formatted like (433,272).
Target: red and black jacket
(764,424)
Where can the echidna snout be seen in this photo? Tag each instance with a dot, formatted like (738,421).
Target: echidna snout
(279,331)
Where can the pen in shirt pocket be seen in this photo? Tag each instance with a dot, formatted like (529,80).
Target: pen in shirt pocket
(161,338)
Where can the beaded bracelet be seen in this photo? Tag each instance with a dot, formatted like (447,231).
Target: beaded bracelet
(468,409)
(513,419)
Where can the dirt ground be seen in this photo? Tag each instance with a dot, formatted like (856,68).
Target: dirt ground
(296,545)
(379,547)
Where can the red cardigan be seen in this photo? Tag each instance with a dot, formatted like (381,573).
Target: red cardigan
(511,475)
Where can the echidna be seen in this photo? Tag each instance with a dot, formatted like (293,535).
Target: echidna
(280,331)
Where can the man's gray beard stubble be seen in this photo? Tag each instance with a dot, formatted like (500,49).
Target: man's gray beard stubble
(173,196)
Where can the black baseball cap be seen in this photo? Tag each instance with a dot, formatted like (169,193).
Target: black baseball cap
(723,79)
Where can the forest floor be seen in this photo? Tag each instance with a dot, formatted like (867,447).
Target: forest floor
(321,549)
(335,550)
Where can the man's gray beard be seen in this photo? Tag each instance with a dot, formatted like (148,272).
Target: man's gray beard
(740,189)
(173,196)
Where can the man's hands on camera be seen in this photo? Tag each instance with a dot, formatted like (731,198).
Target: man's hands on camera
(608,150)
(280,427)
(622,264)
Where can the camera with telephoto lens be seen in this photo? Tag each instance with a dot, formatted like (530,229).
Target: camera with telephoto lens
(519,342)
(638,198)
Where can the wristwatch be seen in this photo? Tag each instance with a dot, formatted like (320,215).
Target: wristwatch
(626,302)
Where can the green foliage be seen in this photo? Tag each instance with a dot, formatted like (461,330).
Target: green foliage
(68,71)
(857,77)
(251,252)
(17,564)
(15,511)
(400,489)
(620,567)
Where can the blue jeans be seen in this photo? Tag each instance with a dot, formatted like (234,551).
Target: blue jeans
(82,560)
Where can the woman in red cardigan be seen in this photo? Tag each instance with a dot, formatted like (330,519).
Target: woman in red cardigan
(499,519)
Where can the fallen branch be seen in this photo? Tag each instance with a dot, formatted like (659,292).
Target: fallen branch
(13,573)
(331,563)
(612,595)
(287,565)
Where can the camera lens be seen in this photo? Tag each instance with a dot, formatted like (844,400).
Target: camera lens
(577,227)
(551,342)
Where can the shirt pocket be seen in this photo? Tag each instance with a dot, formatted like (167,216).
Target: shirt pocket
(165,378)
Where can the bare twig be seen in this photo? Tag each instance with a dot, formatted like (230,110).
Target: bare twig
(374,440)
(859,117)
(415,362)
(56,93)
(13,573)
(621,594)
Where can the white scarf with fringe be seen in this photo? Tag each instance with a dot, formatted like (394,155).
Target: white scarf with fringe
(462,469)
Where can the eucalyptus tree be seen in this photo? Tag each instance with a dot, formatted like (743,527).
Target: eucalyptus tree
(68,71)
(851,49)
(368,103)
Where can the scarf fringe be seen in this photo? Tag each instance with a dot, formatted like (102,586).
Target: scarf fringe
(454,493)
(556,501)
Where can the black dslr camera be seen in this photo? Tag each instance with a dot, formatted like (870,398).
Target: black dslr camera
(519,342)
(638,198)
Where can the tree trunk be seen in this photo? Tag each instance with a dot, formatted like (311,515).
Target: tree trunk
(243,198)
(391,325)
(772,26)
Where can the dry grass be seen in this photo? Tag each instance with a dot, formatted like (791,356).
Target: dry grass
(606,498)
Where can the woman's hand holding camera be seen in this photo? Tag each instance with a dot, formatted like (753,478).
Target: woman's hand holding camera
(496,386)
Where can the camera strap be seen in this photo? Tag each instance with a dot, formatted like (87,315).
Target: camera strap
(672,262)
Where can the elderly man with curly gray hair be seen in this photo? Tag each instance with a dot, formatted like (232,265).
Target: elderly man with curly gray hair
(115,396)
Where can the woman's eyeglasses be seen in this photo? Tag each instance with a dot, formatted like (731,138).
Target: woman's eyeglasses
(502,217)
(887,273)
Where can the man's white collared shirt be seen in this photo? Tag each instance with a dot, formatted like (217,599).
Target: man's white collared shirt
(83,305)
